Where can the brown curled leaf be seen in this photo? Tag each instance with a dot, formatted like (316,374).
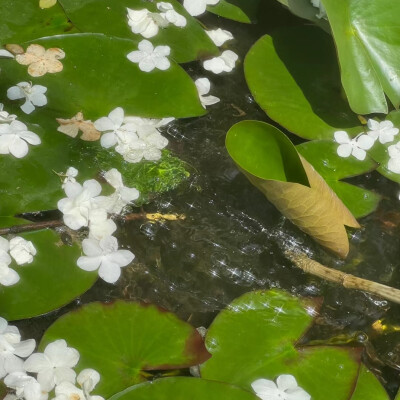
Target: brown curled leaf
(40,60)
(72,126)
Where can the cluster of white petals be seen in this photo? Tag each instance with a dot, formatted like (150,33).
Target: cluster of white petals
(70,176)
(219,36)
(355,147)
(203,87)
(394,158)
(198,7)
(285,388)
(149,57)
(147,23)
(224,63)
(135,138)
(5,117)
(33,95)
(21,250)
(383,131)
(14,139)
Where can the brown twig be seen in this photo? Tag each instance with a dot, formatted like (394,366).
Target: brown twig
(35,226)
(348,281)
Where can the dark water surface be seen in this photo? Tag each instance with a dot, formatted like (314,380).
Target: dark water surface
(232,240)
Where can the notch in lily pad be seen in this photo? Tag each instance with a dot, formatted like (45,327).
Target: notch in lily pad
(271,163)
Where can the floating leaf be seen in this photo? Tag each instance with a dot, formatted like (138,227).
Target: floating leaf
(367,41)
(237,10)
(368,387)
(187,44)
(49,282)
(271,163)
(121,340)
(254,338)
(72,126)
(293,75)
(322,155)
(47,3)
(180,388)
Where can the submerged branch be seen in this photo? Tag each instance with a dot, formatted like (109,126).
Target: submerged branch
(35,226)
(348,281)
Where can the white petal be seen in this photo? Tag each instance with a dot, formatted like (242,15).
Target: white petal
(91,247)
(394,165)
(121,257)
(297,394)
(46,379)
(344,150)
(39,99)
(261,386)
(219,36)
(64,374)
(216,65)
(9,278)
(19,148)
(104,124)
(88,379)
(117,116)
(146,46)
(93,187)
(359,153)
(195,7)
(108,140)
(15,93)
(209,100)
(27,107)
(365,142)
(162,63)
(25,348)
(109,244)
(89,263)
(13,364)
(61,355)
(203,85)
(30,137)
(4,245)
(372,124)
(109,272)
(285,382)
(37,362)
(342,137)
(6,53)
(114,178)
(147,64)
(136,56)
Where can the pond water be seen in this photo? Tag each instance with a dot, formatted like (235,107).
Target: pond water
(233,239)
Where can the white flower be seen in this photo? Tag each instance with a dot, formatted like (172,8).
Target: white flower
(78,203)
(149,57)
(26,387)
(14,138)
(197,7)
(219,36)
(203,87)
(11,348)
(355,147)
(54,365)
(68,391)
(99,225)
(70,176)
(88,379)
(122,195)
(224,63)
(5,117)
(169,14)
(21,250)
(384,131)
(145,22)
(8,276)
(285,389)
(146,125)
(104,256)
(394,160)
(33,95)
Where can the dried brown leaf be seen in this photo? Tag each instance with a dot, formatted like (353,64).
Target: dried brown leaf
(14,48)
(72,126)
(316,210)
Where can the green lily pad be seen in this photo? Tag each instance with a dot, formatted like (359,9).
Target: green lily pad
(49,282)
(187,44)
(237,10)
(22,20)
(255,336)
(182,388)
(294,77)
(367,41)
(122,339)
(368,387)
(324,158)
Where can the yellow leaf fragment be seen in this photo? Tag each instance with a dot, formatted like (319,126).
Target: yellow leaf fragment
(14,48)
(40,60)
(72,126)
(316,210)
(47,3)
(166,217)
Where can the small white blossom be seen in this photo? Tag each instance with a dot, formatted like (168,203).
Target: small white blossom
(88,379)
(224,63)
(8,276)
(5,117)
(145,22)
(219,36)
(99,225)
(203,87)
(21,250)
(197,7)
(33,95)
(285,388)
(384,131)
(14,139)
(170,15)
(149,57)
(26,387)
(70,176)
(122,196)
(54,365)
(355,147)
(78,203)
(394,160)
(104,256)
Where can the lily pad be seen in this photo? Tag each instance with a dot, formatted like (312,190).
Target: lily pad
(255,336)
(294,77)
(271,163)
(237,10)
(322,155)
(49,282)
(182,388)
(187,44)
(122,339)
(22,20)
(368,387)
(367,41)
